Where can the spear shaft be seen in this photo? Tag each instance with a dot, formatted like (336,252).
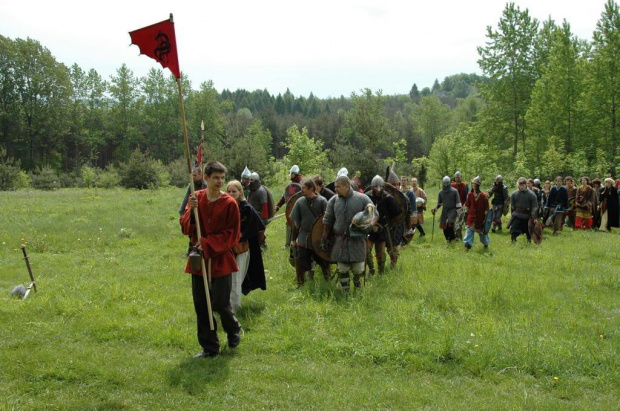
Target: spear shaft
(195,210)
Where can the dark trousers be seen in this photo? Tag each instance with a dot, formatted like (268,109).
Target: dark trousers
(220,303)
(449,233)
(420,229)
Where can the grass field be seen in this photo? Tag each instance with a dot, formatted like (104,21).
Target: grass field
(112,325)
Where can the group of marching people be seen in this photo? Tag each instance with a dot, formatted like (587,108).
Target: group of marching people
(353,223)
(533,206)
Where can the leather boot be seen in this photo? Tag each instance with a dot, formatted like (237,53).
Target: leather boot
(381,264)
(300,276)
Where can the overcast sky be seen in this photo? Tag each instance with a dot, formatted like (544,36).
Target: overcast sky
(330,48)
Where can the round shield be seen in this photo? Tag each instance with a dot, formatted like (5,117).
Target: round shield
(289,208)
(316,236)
(488,221)
(403,203)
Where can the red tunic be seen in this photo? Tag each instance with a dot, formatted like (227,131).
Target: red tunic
(478,205)
(220,226)
(462,189)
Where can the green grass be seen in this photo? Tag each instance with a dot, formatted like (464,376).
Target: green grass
(112,326)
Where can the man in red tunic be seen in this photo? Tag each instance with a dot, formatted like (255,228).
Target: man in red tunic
(477,204)
(220,228)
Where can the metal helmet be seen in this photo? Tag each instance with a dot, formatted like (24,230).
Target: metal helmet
(419,200)
(377,181)
(342,172)
(476,180)
(254,181)
(536,182)
(294,169)
(499,178)
(458,174)
(446,180)
(393,179)
(245,173)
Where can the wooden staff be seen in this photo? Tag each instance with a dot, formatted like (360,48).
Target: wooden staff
(206,281)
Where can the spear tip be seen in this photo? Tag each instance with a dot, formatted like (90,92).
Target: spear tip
(202,125)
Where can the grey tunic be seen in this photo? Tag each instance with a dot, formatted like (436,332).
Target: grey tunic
(338,215)
(523,204)
(304,214)
(449,200)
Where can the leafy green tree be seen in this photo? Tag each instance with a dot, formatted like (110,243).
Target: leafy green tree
(604,84)
(43,91)
(509,60)
(160,121)
(432,119)
(366,123)
(414,93)
(305,151)
(95,123)
(553,159)
(125,115)
(554,108)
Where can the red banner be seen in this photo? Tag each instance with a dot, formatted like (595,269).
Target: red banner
(159,43)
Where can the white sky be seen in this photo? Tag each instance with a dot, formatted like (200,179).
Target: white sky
(329,47)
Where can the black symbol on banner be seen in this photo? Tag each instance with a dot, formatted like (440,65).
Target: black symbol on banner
(163,48)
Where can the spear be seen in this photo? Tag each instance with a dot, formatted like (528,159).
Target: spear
(158,42)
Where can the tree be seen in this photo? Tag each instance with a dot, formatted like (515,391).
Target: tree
(414,93)
(604,79)
(554,108)
(125,115)
(509,59)
(366,122)
(305,151)
(432,119)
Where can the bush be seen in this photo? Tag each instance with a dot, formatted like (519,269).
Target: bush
(163,174)
(10,172)
(141,171)
(22,180)
(69,180)
(108,178)
(45,178)
(89,176)
(178,173)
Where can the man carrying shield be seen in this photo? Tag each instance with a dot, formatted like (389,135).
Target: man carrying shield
(349,248)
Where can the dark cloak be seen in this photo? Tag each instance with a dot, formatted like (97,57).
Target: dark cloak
(251,226)
(610,197)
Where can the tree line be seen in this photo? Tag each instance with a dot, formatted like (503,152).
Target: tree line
(545,104)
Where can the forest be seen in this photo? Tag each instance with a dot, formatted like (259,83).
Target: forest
(545,104)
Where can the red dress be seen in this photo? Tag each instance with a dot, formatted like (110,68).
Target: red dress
(220,226)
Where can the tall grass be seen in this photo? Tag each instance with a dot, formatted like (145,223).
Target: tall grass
(112,326)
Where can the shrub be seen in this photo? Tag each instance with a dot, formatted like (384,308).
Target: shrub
(108,178)
(89,176)
(139,172)
(22,180)
(68,180)
(178,172)
(163,174)
(45,178)
(9,172)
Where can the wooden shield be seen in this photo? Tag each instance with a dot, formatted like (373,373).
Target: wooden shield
(315,237)
(488,222)
(402,201)
(289,208)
